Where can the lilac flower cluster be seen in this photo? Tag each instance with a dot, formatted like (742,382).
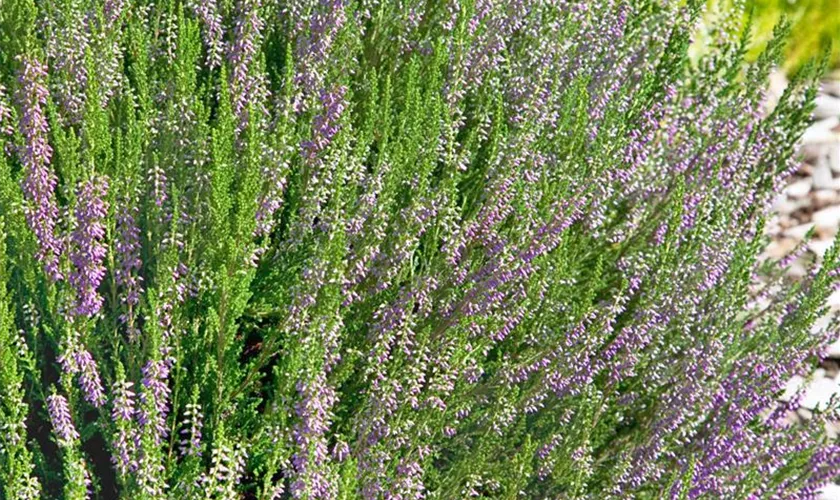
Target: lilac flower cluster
(193,423)
(125,442)
(155,399)
(87,251)
(35,155)
(69,42)
(6,126)
(326,19)
(89,378)
(126,275)
(60,417)
(76,360)
(248,86)
(211,19)
(314,409)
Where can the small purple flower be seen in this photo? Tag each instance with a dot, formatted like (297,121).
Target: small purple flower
(129,263)
(193,420)
(124,444)
(6,127)
(88,251)
(340,451)
(89,378)
(248,86)
(123,403)
(155,375)
(69,41)
(39,182)
(113,9)
(320,176)
(314,411)
(211,19)
(60,418)
(122,413)
(313,51)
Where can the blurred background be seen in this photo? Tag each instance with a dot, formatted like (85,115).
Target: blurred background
(815,24)
(812,197)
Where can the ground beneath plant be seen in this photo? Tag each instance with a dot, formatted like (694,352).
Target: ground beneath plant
(812,199)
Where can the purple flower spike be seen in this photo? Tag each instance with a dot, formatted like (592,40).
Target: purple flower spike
(248,87)
(39,182)
(211,19)
(129,264)
(123,409)
(89,378)
(191,443)
(5,114)
(155,374)
(122,414)
(60,418)
(88,251)
(314,411)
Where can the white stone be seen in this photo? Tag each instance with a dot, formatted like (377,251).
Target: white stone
(797,271)
(793,385)
(834,349)
(827,219)
(820,247)
(819,327)
(831,87)
(825,155)
(822,176)
(827,106)
(779,248)
(834,300)
(825,196)
(799,188)
(821,132)
(802,203)
(830,492)
(819,392)
(784,206)
(773,226)
(798,232)
(832,429)
(778,84)
(832,157)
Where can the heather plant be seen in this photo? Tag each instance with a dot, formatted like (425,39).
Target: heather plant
(334,249)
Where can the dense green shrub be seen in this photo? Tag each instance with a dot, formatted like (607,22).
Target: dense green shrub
(375,249)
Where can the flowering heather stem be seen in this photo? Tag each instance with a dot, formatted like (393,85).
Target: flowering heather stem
(247,86)
(122,413)
(40,181)
(87,248)
(60,417)
(89,378)
(155,399)
(314,410)
(129,264)
(211,19)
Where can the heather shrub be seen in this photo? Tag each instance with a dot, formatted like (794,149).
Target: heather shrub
(415,249)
